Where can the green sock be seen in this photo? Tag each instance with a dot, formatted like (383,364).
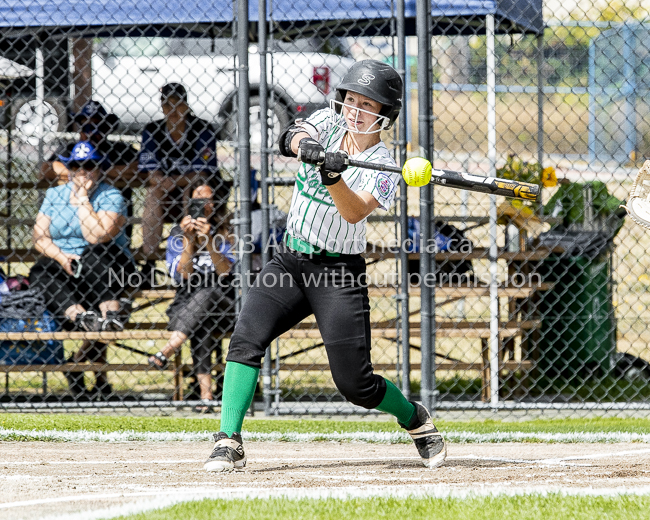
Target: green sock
(396,404)
(239,383)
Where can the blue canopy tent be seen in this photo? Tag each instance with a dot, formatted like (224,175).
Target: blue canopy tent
(160,17)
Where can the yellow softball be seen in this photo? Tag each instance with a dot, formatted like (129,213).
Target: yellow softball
(417,172)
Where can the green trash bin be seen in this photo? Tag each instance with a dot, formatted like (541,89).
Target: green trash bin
(578,333)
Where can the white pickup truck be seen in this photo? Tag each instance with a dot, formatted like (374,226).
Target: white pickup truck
(128,73)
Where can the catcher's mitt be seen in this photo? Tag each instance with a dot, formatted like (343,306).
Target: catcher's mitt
(638,204)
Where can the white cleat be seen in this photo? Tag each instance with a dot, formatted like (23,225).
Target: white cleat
(428,440)
(227,454)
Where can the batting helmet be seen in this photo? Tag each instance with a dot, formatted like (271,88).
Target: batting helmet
(376,80)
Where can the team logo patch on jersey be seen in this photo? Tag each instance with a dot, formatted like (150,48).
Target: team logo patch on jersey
(385,185)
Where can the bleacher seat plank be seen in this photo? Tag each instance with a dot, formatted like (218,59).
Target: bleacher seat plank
(155,294)
(464,291)
(79,367)
(478,253)
(447,366)
(141,367)
(77,335)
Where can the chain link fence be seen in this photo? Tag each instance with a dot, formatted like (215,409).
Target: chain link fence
(138,201)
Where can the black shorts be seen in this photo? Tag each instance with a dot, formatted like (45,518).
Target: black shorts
(203,314)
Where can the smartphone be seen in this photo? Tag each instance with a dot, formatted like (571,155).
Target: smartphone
(76,268)
(196,208)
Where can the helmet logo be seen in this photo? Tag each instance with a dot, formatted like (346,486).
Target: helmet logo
(366,79)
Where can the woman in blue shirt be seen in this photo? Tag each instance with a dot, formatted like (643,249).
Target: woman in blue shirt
(80,232)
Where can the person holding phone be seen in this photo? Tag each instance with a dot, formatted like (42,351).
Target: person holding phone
(199,258)
(79,232)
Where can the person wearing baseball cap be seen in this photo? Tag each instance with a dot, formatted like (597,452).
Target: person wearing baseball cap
(80,234)
(94,124)
(176,152)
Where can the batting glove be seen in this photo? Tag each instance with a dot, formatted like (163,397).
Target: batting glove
(334,165)
(311,151)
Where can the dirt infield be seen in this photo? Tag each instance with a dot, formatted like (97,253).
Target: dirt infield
(41,479)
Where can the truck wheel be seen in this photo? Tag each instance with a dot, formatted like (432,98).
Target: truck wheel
(26,119)
(279,119)
(631,368)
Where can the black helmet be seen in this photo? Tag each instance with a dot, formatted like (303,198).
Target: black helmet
(376,80)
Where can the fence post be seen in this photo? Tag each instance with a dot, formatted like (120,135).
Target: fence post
(629,92)
(82,52)
(492,156)
(264,171)
(40,99)
(426,205)
(591,89)
(243,123)
(402,65)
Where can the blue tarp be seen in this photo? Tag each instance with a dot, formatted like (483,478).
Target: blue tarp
(95,16)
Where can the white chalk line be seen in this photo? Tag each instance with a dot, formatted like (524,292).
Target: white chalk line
(397,437)
(168,497)
(259,460)
(552,461)
(600,455)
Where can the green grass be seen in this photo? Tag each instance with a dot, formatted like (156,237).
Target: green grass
(488,508)
(111,423)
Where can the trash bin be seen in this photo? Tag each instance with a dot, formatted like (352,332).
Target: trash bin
(578,332)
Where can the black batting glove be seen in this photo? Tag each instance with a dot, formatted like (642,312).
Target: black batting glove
(336,162)
(334,165)
(311,151)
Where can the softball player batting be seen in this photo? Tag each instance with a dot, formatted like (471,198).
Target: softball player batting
(319,269)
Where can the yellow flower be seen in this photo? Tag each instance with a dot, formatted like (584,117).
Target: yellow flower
(526,211)
(548,177)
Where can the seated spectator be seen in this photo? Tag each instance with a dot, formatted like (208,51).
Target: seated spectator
(199,258)
(94,125)
(79,231)
(176,151)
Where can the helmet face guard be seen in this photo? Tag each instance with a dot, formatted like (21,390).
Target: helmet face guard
(377,81)
(336,119)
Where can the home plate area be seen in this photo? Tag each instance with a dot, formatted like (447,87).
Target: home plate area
(102,480)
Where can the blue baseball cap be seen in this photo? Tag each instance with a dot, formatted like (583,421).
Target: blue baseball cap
(84,153)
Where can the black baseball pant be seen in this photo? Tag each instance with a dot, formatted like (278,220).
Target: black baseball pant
(200,313)
(293,286)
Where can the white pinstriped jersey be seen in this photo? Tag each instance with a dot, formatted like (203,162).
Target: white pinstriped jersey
(313,217)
